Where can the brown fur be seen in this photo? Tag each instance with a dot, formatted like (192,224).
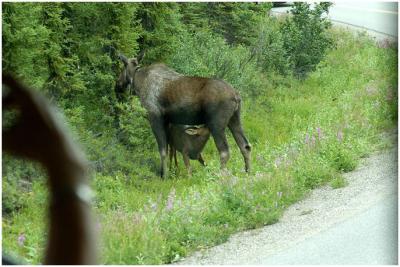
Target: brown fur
(190,141)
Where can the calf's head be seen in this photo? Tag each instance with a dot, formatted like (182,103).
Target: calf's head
(202,131)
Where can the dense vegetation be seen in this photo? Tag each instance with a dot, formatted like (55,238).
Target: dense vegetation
(312,107)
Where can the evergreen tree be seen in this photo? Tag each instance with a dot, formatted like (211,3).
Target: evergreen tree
(162,27)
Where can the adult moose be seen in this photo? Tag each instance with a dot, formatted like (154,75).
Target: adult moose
(170,97)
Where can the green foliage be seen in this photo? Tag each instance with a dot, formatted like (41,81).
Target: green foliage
(11,199)
(347,99)
(18,176)
(207,55)
(341,158)
(338,182)
(134,126)
(24,41)
(313,171)
(268,48)
(305,37)
(162,28)
(237,22)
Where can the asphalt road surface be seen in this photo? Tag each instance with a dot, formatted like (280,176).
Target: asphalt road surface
(379,19)
(368,238)
(356,224)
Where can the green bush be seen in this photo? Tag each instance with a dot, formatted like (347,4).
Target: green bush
(237,22)
(338,182)
(305,36)
(268,48)
(312,171)
(339,156)
(208,55)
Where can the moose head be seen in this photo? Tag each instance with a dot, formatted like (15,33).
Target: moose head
(125,81)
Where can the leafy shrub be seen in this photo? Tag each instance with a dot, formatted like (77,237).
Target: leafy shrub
(305,36)
(208,55)
(236,22)
(339,156)
(135,128)
(18,175)
(11,196)
(312,171)
(338,182)
(268,48)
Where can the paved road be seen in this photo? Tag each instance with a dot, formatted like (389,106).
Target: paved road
(378,18)
(368,238)
(356,224)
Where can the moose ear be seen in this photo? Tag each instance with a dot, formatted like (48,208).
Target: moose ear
(134,61)
(191,131)
(124,59)
(140,56)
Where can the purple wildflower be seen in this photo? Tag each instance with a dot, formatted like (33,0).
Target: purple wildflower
(278,162)
(233,181)
(21,239)
(137,218)
(260,158)
(170,200)
(153,206)
(389,95)
(98,226)
(307,140)
(279,194)
(288,163)
(340,135)
(313,140)
(319,131)
(371,90)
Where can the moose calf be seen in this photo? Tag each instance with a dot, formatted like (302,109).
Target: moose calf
(189,140)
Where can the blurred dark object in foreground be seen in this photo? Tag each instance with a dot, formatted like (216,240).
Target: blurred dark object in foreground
(38,134)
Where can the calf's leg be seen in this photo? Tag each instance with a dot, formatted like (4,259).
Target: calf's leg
(186,160)
(172,155)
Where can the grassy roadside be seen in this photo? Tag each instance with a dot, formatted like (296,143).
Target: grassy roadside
(304,134)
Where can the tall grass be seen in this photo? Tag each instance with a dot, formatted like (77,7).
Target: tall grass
(304,134)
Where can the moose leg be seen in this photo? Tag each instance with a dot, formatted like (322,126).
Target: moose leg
(172,155)
(201,160)
(221,144)
(235,127)
(158,127)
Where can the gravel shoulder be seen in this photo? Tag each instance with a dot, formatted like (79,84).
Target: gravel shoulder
(374,181)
